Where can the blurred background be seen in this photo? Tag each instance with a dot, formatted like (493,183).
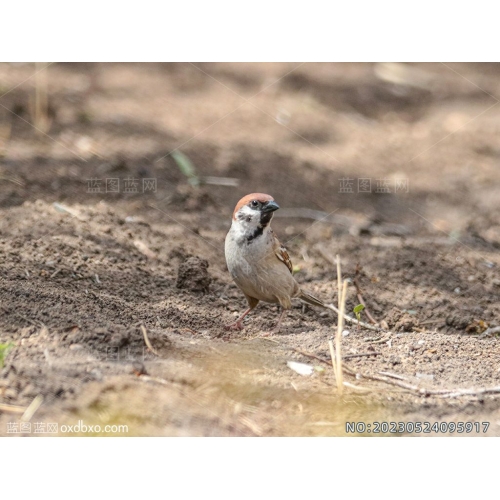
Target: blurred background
(294,129)
(305,126)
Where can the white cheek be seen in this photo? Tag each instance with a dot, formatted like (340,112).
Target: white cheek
(249,213)
(239,230)
(251,218)
(247,221)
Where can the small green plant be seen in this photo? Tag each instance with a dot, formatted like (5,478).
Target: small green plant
(4,350)
(357,311)
(186,167)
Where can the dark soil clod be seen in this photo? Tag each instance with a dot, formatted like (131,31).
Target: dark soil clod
(193,275)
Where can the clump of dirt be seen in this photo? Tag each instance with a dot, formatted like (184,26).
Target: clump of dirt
(401,321)
(459,320)
(193,275)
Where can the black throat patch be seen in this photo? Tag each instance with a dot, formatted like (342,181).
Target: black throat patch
(258,232)
(265,219)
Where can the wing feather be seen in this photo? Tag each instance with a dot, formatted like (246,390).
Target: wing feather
(282,254)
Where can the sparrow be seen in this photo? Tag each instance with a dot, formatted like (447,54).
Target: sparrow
(258,263)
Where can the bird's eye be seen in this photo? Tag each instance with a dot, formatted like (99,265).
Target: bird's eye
(255,203)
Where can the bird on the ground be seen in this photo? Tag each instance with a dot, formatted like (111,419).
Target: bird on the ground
(259,264)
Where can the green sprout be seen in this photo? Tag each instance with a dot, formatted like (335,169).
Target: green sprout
(357,311)
(186,167)
(4,350)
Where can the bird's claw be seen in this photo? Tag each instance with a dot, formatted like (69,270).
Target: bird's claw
(237,325)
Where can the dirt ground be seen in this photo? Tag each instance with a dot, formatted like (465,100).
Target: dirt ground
(82,268)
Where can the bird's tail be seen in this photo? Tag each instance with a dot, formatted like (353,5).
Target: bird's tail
(312,300)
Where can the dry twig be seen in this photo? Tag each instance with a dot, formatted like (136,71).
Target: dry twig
(332,357)
(12,408)
(32,408)
(338,338)
(336,354)
(354,321)
(443,393)
(361,355)
(489,331)
(398,381)
(146,339)
(326,361)
(393,375)
(347,318)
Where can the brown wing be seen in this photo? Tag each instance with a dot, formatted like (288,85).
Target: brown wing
(282,254)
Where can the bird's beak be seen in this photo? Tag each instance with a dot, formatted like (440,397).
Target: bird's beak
(270,206)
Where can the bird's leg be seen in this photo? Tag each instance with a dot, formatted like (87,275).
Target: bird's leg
(276,329)
(238,324)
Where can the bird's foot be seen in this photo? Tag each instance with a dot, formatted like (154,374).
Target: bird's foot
(237,325)
(277,328)
(265,334)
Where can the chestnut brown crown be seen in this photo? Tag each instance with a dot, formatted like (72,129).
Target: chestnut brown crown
(246,200)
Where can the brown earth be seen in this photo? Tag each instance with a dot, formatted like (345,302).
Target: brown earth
(81,271)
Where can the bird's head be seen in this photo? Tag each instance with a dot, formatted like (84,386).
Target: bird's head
(253,213)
